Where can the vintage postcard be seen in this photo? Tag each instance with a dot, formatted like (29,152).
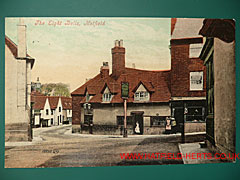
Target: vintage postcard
(84,92)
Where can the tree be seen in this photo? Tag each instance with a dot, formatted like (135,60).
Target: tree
(55,89)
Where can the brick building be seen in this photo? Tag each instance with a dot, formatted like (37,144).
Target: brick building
(153,95)
(188,74)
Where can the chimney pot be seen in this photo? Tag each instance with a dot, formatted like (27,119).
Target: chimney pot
(116,43)
(104,70)
(105,63)
(121,43)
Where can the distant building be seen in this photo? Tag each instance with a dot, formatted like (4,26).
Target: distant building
(36,86)
(67,110)
(51,110)
(18,65)
(41,111)
(218,55)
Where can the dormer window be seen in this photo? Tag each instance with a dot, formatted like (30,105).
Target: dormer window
(87,97)
(107,96)
(141,94)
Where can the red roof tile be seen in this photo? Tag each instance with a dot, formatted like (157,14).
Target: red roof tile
(39,102)
(66,102)
(156,82)
(53,101)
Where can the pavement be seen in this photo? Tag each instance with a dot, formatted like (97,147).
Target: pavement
(196,154)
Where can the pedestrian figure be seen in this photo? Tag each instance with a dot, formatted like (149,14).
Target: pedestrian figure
(137,129)
(168,126)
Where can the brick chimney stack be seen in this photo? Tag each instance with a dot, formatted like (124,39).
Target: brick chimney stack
(173,23)
(22,47)
(118,59)
(104,70)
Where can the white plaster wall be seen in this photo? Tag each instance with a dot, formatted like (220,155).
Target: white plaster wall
(10,87)
(108,115)
(46,106)
(59,113)
(224,95)
(69,113)
(15,89)
(36,120)
(21,91)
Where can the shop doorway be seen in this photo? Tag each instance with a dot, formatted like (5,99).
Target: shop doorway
(179,117)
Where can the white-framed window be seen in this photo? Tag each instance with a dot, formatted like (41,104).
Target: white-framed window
(141,96)
(107,97)
(196,81)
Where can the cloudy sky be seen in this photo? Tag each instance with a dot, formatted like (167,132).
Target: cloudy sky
(70,53)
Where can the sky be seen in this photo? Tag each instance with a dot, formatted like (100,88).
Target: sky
(71,50)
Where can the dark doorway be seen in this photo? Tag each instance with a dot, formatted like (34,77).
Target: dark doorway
(88,120)
(137,122)
(179,117)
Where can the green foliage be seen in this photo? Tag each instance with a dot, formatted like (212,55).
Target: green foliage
(55,89)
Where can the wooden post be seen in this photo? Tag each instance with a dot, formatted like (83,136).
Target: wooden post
(125,119)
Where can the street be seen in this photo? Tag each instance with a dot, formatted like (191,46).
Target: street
(58,147)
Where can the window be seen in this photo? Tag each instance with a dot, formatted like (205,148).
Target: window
(196,81)
(107,97)
(51,120)
(46,111)
(52,112)
(195,114)
(141,96)
(60,119)
(120,120)
(36,111)
(158,121)
(59,109)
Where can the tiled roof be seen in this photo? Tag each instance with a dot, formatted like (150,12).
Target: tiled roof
(156,82)
(66,102)
(53,101)
(223,29)
(39,102)
(36,93)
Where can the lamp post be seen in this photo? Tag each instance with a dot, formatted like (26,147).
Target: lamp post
(125,92)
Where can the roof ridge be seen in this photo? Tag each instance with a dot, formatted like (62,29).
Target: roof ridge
(164,70)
